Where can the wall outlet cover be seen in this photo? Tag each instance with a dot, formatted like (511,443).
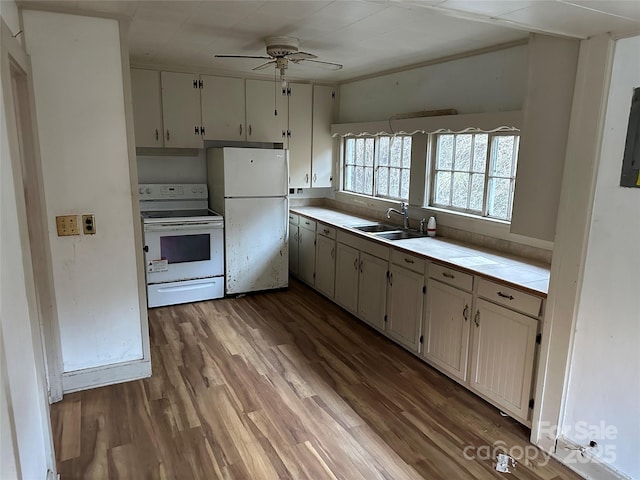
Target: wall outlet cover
(67,225)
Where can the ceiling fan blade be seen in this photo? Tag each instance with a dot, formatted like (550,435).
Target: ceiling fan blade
(301,56)
(242,56)
(264,65)
(320,63)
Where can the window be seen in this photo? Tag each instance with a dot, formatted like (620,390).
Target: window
(475,173)
(378,166)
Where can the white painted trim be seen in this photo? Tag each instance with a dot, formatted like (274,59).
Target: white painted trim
(107,375)
(574,218)
(589,466)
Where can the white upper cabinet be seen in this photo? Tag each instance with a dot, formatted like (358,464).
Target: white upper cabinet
(322,142)
(181,110)
(299,135)
(264,98)
(223,105)
(147,108)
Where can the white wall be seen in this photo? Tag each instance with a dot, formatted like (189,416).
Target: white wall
(491,82)
(604,384)
(26,447)
(78,84)
(172,168)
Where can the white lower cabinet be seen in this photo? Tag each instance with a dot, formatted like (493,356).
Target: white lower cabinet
(325,264)
(503,350)
(404,306)
(446,328)
(347,273)
(372,290)
(293,243)
(306,253)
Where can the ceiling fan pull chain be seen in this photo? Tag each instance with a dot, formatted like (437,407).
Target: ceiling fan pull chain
(275,93)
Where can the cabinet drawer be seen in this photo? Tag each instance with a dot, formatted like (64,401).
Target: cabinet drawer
(326,230)
(368,246)
(410,262)
(308,224)
(510,297)
(294,219)
(452,277)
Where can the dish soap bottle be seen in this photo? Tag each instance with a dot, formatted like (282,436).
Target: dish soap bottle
(431,227)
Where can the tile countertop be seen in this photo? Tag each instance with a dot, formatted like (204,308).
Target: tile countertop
(518,272)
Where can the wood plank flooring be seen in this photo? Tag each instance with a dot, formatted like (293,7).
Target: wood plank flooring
(283,385)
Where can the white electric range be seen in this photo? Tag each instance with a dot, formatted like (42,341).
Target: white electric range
(184,244)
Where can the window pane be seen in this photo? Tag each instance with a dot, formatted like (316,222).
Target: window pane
(498,206)
(383,181)
(445,152)
(368,150)
(404,185)
(359,151)
(460,190)
(349,179)
(396,151)
(406,152)
(359,180)
(463,152)
(349,151)
(503,155)
(477,192)
(394,182)
(442,187)
(383,151)
(368,181)
(480,152)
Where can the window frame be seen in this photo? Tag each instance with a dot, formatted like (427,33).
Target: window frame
(376,167)
(489,162)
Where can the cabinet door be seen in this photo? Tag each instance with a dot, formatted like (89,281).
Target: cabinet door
(347,272)
(503,348)
(222,101)
(264,98)
(372,290)
(325,265)
(446,328)
(181,110)
(404,310)
(299,135)
(322,142)
(306,255)
(293,248)
(147,107)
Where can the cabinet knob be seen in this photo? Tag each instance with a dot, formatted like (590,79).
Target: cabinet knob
(249,129)
(306,178)
(476,319)
(240,129)
(355,264)
(465,313)
(157,135)
(315,178)
(167,134)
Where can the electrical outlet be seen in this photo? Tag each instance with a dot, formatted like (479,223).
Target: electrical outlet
(67,225)
(89,224)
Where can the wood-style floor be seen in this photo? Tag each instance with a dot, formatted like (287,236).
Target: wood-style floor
(283,385)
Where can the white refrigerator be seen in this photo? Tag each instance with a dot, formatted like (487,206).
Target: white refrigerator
(250,186)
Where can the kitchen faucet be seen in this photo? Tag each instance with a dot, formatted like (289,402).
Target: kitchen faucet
(404,211)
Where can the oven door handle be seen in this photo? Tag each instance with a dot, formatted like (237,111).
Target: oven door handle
(182,227)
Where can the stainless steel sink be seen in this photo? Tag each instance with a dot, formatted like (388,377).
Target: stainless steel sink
(399,235)
(376,228)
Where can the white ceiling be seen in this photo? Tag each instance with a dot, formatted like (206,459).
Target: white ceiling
(366,36)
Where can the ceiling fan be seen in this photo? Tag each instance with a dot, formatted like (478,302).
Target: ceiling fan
(280,51)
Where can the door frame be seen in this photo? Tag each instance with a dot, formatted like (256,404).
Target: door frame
(24,145)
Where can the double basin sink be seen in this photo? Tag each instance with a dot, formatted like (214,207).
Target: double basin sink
(388,232)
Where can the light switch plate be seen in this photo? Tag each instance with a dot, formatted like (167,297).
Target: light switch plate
(67,225)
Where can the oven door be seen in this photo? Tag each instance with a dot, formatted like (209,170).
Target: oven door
(177,252)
